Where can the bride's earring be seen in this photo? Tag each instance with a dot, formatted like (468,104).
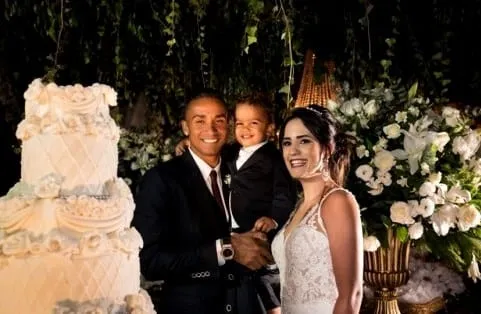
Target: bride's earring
(325,175)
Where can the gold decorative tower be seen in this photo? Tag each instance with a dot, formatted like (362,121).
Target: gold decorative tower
(316,90)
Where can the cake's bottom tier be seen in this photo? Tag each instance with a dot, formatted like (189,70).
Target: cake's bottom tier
(36,283)
(131,304)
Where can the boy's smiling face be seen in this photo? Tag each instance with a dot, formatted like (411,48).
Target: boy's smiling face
(252,125)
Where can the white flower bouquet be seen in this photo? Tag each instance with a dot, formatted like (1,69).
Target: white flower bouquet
(416,170)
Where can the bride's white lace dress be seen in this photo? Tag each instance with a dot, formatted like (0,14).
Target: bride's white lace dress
(308,285)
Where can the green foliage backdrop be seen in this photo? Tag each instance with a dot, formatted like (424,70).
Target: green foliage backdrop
(166,50)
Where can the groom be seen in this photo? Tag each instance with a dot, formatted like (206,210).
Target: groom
(184,220)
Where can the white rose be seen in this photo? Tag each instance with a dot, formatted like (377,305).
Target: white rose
(370,108)
(435,178)
(371,244)
(401,116)
(401,213)
(350,107)
(364,172)
(439,197)
(416,230)
(426,207)
(467,146)
(457,195)
(468,217)
(376,187)
(332,105)
(443,219)
(384,160)
(361,151)
(392,130)
(451,115)
(427,189)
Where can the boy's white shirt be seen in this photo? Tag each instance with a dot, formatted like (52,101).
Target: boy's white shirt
(246,152)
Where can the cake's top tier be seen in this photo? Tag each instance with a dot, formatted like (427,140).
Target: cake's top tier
(52,109)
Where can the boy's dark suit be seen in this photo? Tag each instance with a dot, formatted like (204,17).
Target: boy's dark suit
(261,187)
(180,221)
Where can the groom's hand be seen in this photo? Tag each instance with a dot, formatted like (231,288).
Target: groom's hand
(251,249)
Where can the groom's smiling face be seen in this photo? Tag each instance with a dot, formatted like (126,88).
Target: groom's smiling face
(205,123)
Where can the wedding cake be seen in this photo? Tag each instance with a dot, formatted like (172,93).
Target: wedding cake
(66,245)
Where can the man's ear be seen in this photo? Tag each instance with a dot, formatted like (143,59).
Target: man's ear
(185,127)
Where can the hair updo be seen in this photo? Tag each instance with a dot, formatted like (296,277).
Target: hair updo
(325,128)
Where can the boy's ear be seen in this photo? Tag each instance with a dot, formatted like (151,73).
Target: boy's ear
(185,127)
(271,130)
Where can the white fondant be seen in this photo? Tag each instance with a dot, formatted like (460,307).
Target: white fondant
(65,241)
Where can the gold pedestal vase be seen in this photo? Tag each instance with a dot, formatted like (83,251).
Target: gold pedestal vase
(385,270)
(431,307)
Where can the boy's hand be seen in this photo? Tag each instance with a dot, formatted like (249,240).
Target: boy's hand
(265,224)
(181,147)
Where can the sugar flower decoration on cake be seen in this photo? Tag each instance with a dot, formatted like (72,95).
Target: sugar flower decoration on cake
(93,244)
(42,99)
(48,186)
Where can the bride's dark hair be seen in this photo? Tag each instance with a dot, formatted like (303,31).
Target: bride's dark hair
(325,128)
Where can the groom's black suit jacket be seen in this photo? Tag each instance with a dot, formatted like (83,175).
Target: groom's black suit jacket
(179,221)
(262,186)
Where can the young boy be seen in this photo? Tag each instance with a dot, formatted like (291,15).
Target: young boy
(262,194)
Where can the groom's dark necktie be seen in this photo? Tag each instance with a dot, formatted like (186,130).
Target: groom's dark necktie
(216,191)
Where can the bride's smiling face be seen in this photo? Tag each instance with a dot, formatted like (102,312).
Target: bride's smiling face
(300,149)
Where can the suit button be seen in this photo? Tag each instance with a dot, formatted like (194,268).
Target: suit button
(228,308)
(230,277)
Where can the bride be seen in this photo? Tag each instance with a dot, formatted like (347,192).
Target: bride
(319,250)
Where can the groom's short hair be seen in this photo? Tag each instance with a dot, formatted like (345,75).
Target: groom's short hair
(205,93)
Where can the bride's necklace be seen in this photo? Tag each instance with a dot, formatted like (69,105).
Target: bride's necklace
(315,200)
(298,214)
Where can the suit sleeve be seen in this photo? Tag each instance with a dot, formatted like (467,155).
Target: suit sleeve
(284,193)
(159,259)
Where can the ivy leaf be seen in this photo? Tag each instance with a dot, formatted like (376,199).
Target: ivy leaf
(251,30)
(437,56)
(251,40)
(285,89)
(386,221)
(413,91)
(402,233)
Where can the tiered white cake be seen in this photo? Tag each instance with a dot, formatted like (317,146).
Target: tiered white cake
(65,241)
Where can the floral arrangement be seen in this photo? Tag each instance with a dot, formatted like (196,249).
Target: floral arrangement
(415,170)
(142,149)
